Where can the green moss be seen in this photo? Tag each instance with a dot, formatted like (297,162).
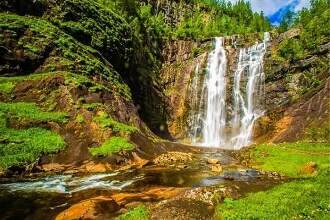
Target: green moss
(107,122)
(138,213)
(6,87)
(303,198)
(80,118)
(67,53)
(24,110)
(112,145)
(21,147)
(92,106)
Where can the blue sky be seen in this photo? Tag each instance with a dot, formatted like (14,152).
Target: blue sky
(275,9)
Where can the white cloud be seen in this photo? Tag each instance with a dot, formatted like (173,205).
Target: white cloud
(271,6)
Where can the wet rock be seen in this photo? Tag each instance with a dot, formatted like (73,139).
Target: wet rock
(212,161)
(139,161)
(309,168)
(94,208)
(172,158)
(216,168)
(181,209)
(93,167)
(53,167)
(155,193)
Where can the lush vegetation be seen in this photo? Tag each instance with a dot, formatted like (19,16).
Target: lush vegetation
(105,121)
(138,213)
(29,111)
(307,197)
(24,146)
(314,31)
(110,146)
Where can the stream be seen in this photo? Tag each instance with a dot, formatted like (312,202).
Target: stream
(44,197)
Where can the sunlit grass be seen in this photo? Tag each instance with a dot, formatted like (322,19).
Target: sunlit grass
(138,213)
(20,147)
(112,145)
(307,197)
(25,110)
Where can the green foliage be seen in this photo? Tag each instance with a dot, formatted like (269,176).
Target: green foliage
(217,18)
(291,50)
(313,24)
(106,121)
(138,213)
(68,54)
(303,198)
(29,111)
(80,118)
(287,21)
(91,106)
(21,147)
(318,133)
(6,87)
(112,145)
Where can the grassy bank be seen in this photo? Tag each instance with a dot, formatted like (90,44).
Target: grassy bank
(21,147)
(306,197)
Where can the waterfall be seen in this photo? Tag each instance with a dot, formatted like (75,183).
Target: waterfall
(226,119)
(215,118)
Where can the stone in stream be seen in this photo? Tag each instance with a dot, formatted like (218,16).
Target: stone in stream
(94,208)
(212,161)
(172,158)
(216,168)
(139,161)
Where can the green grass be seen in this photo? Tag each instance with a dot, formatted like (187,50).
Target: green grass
(300,199)
(138,213)
(110,146)
(25,146)
(106,121)
(6,87)
(289,158)
(29,111)
(306,197)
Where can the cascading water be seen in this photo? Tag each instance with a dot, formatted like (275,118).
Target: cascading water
(215,118)
(229,125)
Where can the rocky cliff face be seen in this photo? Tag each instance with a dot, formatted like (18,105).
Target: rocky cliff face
(287,87)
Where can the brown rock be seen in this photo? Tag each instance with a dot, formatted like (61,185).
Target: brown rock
(212,161)
(54,167)
(94,208)
(92,167)
(155,193)
(139,161)
(172,158)
(309,168)
(216,168)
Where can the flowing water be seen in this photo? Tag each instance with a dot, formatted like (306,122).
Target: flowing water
(223,121)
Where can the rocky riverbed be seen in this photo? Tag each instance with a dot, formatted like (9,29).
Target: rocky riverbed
(172,183)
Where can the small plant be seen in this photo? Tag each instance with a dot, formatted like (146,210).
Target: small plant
(138,213)
(107,122)
(110,146)
(80,118)
(6,87)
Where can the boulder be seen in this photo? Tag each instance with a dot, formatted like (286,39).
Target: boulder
(94,208)
(212,161)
